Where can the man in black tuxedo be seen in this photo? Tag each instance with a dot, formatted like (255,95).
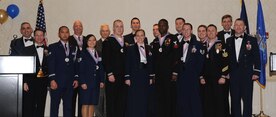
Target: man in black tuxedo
(36,91)
(77,40)
(226,22)
(101,108)
(24,46)
(244,57)
(164,49)
(135,25)
(18,46)
(114,65)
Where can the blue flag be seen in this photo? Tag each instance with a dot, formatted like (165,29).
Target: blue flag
(261,36)
(243,16)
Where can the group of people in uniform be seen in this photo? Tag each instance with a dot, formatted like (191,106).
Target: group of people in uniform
(176,75)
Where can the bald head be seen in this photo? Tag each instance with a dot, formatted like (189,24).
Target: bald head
(104,31)
(77,27)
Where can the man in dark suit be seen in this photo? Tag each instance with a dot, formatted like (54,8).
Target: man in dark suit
(226,22)
(77,40)
(135,25)
(24,46)
(244,57)
(114,65)
(36,91)
(215,98)
(164,59)
(190,63)
(18,46)
(101,108)
(62,73)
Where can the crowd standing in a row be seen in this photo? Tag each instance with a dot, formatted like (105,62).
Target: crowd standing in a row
(176,75)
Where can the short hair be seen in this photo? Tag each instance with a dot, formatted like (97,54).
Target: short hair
(164,20)
(23,23)
(139,31)
(180,18)
(155,24)
(189,24)
(240,19)
(226,16)
(203,26)
(212,25)
(135,18)
(104,25)
(38,29)
(117,20)
(62,28)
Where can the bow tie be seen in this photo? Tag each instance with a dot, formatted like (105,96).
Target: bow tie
(28,40)
(227,32)
(236,37)
(186,41)
(40,46)
(178,34)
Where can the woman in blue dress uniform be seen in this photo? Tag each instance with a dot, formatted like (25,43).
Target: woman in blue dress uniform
(91,76)
(138,76)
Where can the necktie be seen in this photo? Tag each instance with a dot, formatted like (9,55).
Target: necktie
(66,49)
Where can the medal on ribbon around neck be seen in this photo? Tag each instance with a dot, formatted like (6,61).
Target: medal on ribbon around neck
(66,59)
(97,67)
(122,50)
(160,49)
(40,73)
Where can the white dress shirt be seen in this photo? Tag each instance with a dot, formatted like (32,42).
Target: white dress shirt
(238,43)
(40,54)
(141,48)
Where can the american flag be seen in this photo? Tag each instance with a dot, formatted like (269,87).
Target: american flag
(40,21)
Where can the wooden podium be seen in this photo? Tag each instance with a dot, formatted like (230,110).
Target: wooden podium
(12,69)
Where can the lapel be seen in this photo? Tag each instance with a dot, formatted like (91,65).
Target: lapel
(61,47)
(191,44)
(89,56)
(137,52)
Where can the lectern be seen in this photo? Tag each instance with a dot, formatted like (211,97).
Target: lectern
(12,69)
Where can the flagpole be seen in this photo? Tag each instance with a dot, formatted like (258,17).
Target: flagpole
(261,114)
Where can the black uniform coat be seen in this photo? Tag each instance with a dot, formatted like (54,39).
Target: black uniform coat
(113,57)
(139,75)
(188,90)
(241,71)
(91,74)
(164,62)
(215,98)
